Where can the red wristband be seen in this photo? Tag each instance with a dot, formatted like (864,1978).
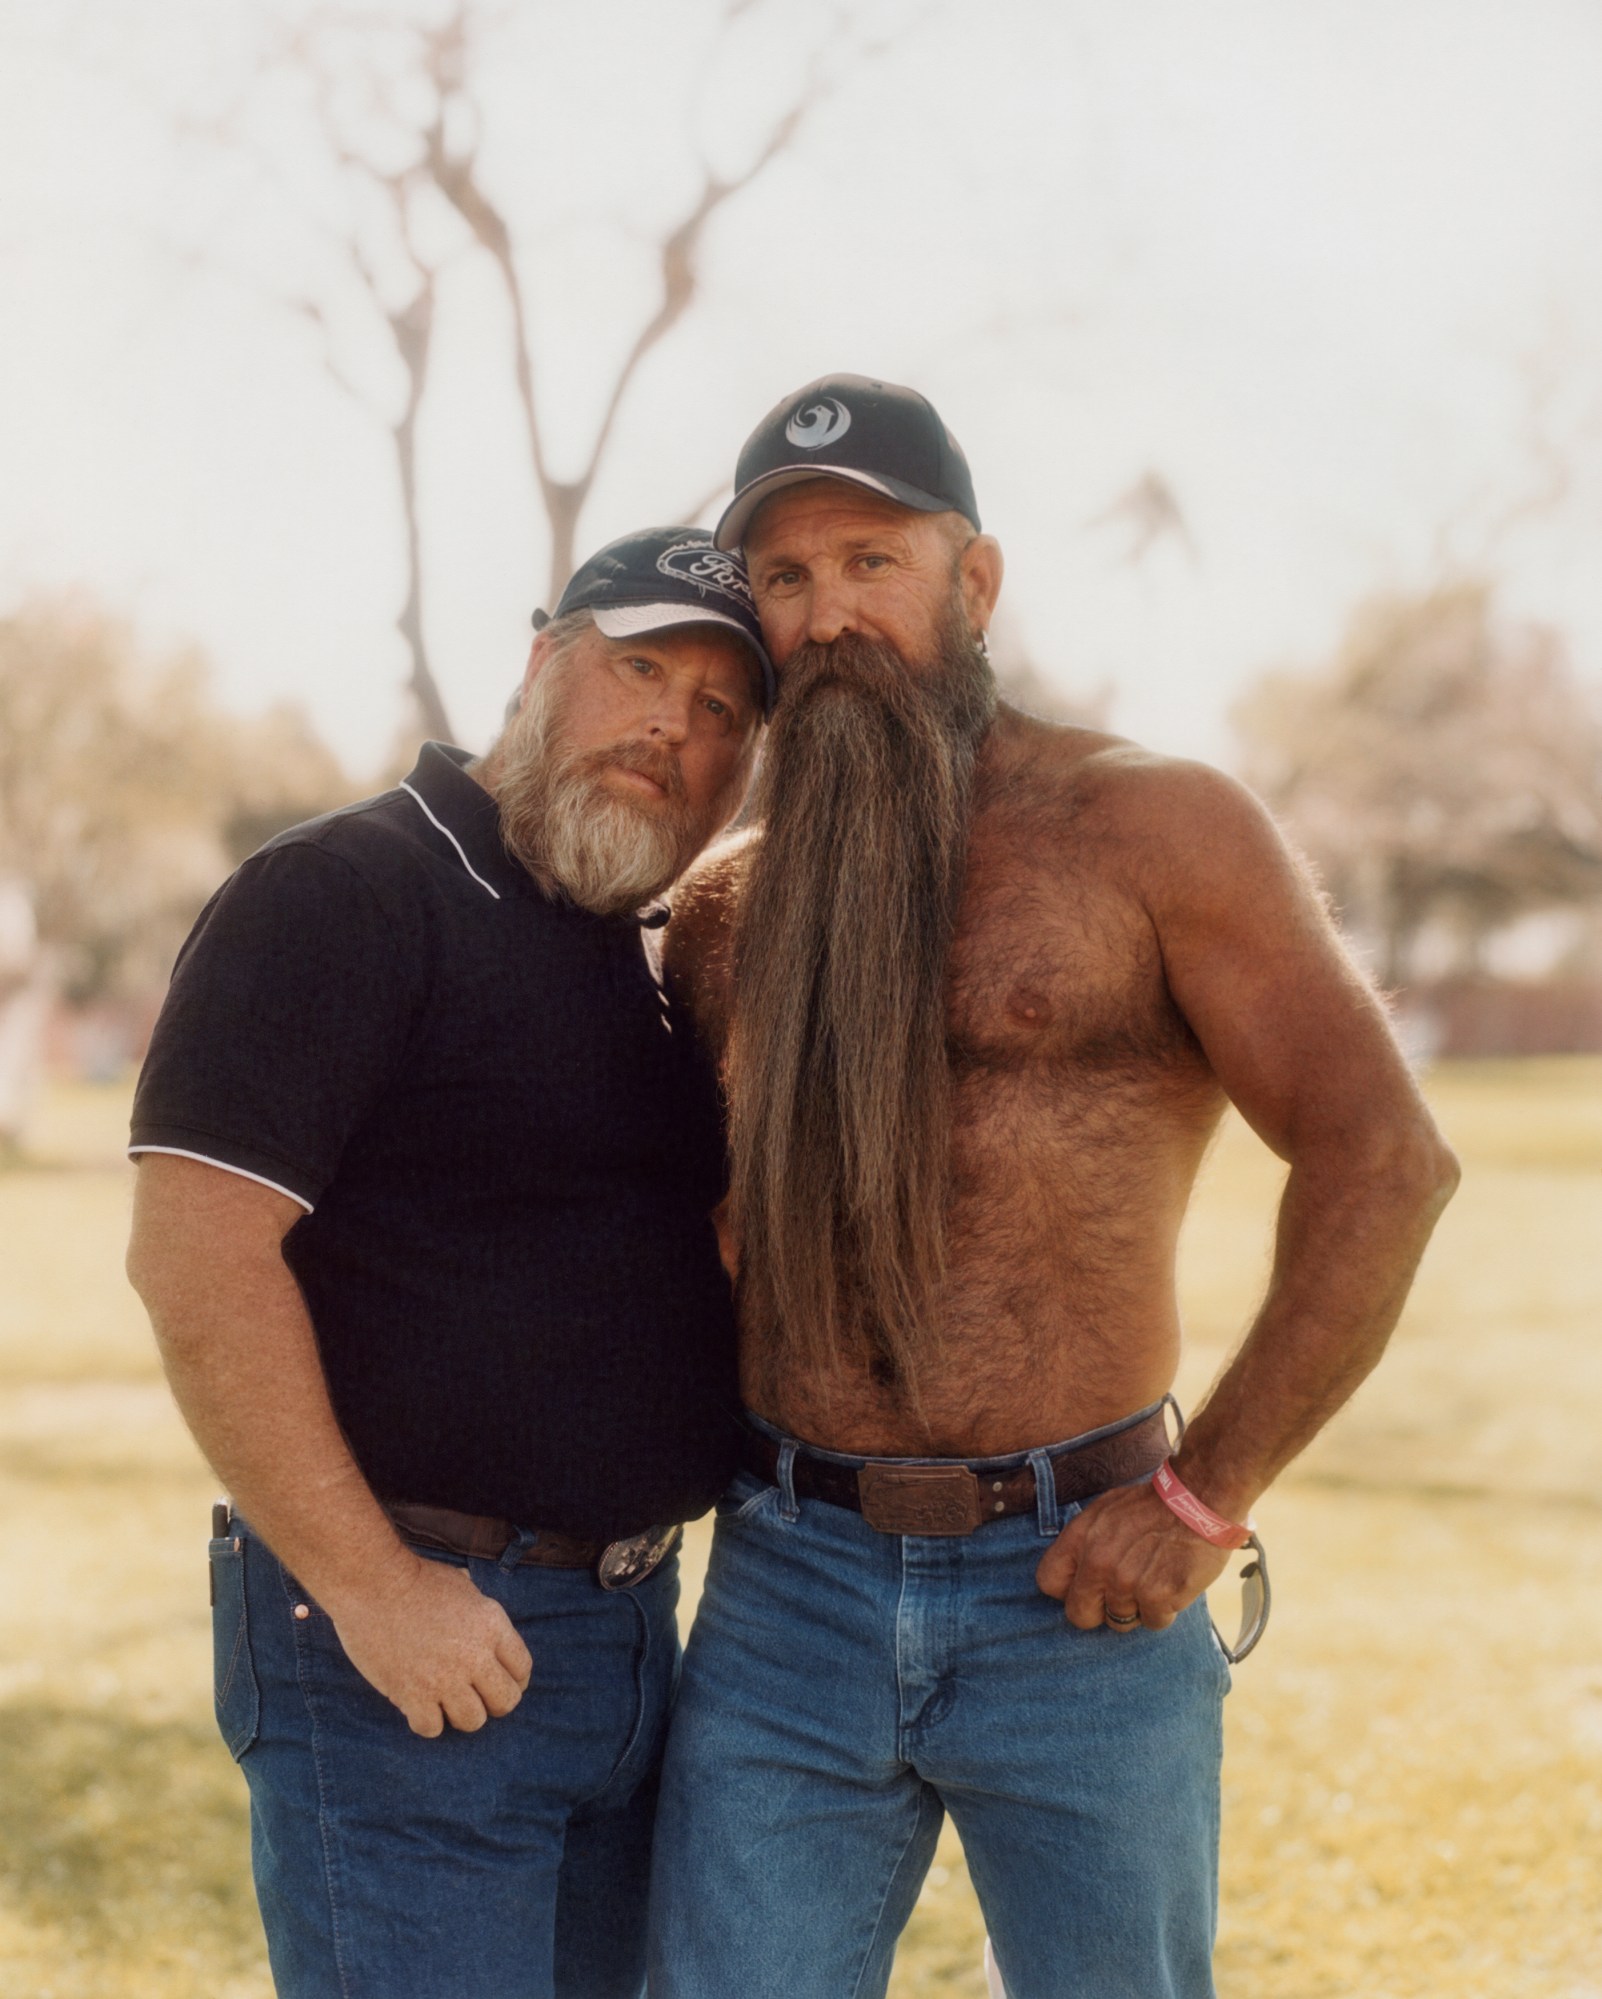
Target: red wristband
(1198,1517)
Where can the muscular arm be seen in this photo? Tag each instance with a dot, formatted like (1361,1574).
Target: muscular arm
(206,1257)
(1299,1042)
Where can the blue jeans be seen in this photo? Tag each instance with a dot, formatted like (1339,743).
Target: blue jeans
(843,1689)
(507,1864)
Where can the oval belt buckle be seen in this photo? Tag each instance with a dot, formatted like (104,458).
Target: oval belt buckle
(625,1563)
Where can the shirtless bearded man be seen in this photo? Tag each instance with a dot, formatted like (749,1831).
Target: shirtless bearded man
(983,987)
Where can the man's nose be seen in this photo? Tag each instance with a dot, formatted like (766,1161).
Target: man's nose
(667,720)
(829,612)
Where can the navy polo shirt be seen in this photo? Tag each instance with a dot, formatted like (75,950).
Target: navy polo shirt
(507,1149)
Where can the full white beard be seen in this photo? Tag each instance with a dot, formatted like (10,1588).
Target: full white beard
(562,822)
(606,854)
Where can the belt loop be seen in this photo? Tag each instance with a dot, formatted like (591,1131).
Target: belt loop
(1048,1516)
(789,1505)
(523,1538)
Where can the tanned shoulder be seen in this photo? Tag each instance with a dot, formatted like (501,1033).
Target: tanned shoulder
(1191,829)
(698,943)
(1026,751)
(1186,838)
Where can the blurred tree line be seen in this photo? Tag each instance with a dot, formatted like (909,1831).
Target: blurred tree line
(127,794)
(1443,772)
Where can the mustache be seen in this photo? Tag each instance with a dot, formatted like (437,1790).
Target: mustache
(646,759)
(851,664)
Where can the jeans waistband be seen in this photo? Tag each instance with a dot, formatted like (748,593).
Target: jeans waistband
(1010,1461)
(944,1496)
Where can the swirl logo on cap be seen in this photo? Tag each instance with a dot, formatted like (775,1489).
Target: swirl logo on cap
(816,424)
(708,568)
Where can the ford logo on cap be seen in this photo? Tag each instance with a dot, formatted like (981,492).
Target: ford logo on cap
(708,568)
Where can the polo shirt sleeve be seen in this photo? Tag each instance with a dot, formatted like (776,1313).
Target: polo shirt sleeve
(290,1009)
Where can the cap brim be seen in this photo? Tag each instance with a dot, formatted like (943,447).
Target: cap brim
(730,531)
(627,621)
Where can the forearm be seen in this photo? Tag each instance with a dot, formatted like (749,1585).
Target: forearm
(1348,1244)
(242,1360)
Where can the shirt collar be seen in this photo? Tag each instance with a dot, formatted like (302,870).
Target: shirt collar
(462,812)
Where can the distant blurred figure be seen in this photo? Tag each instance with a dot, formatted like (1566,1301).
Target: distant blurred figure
(24,1006)
(423,1225)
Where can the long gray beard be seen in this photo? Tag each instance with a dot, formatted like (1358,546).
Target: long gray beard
(839,1084)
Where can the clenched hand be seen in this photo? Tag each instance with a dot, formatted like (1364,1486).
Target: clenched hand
(1127,1561)
(437,1647)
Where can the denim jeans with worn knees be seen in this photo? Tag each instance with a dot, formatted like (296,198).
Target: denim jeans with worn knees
(510,1863)
(843,1689)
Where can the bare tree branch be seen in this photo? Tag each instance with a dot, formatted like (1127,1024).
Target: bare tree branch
(678,259)
(1472,539)
(456,180)
(679,252)
(410,323)
(400,123)
(1151,512)
(403,302)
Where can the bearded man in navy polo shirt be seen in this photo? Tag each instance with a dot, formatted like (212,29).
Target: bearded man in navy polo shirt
(422,1223)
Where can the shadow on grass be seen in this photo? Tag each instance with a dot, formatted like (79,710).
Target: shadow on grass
(129,1838)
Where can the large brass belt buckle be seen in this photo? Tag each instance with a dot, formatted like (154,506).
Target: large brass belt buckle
(919,1499)
(625,1563)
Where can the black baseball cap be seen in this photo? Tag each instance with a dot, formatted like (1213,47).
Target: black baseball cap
(659,577)
(874,434)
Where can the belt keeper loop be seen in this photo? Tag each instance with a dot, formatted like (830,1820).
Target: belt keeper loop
(523,1538)
(1048,1516)
(789,1505)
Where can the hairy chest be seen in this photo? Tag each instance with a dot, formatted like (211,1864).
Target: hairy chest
(1056,965)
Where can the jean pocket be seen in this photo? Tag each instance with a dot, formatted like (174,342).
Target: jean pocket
(744,1495)
(1220,1658)
(233,1675)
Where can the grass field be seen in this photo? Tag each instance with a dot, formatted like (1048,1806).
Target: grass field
(1413,1788)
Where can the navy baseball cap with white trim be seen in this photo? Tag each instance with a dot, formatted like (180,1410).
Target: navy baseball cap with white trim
(660,577)
(872,434)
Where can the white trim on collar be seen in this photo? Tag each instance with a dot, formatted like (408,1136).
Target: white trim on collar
(433,821)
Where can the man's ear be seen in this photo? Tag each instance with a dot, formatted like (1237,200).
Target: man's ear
(980,568)
(538,653)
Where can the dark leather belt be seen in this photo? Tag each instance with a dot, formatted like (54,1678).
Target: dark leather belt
(900,1497)
(486,1538)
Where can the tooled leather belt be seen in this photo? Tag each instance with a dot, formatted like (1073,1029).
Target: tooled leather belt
(901,1497)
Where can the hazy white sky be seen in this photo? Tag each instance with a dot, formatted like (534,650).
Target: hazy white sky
(1307,261)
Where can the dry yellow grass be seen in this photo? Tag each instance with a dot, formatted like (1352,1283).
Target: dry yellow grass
(1413,1804)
